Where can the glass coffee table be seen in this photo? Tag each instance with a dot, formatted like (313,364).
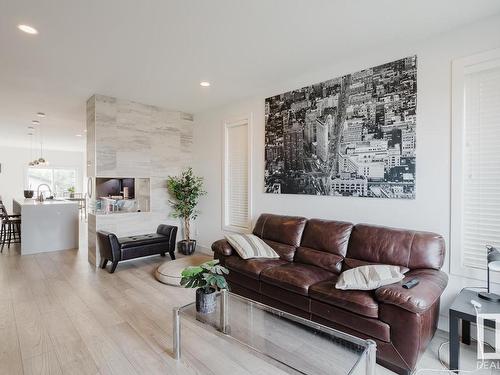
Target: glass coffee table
(294,344)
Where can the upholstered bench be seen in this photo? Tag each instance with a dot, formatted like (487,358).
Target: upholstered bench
(114,249)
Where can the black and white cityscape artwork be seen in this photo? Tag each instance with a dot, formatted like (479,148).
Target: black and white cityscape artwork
(349,136)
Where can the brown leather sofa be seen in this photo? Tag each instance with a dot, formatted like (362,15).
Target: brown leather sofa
(313,253)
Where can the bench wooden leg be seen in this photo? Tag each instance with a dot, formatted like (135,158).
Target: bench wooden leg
(113,266)
(103,263)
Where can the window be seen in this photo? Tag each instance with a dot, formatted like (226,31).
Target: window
(475,162)
(236,210)
(59,179)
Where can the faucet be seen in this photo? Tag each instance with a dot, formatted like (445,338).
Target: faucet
(40,194)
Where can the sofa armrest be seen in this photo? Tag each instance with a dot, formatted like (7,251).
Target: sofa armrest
(169,231)
(222,247)
(109,246)
(419,298)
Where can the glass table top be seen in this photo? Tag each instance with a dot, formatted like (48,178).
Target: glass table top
(294,344)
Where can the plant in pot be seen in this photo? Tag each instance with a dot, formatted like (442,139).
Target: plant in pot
(208,277)
(185,190)
(71,191)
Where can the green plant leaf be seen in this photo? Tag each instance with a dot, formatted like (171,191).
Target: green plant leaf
(221,283)
(191,271)
(185,190)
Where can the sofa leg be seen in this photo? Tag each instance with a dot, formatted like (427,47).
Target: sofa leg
(172,255)
(113,266)
(103,263)
(162,254)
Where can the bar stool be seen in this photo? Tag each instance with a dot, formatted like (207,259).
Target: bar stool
(10,230)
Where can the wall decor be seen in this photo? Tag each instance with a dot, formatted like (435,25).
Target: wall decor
(348,136)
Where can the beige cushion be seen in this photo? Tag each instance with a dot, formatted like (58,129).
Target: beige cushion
(170,271)
(250,246)
(369,277)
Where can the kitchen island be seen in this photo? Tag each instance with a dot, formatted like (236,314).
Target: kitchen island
(50,225)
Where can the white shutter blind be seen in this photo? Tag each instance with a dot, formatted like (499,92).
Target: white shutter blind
(481,166)
(236,192)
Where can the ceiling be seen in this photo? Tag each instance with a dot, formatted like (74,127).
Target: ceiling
(157,51)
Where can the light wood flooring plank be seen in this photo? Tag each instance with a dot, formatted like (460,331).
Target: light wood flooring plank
(34,338)
(145,361)
(42,364)
(10,353)
(106,354)
(72,353)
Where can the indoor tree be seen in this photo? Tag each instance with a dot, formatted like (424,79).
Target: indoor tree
(186,191)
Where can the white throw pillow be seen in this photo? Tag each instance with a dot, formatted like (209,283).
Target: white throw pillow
(369,277)
(250,246)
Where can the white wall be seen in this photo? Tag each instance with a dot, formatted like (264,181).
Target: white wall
(431,208)
(15,161)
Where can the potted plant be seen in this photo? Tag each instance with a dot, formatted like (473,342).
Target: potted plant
(208,277)
(71,191)
(186,190)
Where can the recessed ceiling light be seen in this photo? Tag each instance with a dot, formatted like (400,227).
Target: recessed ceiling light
(28,29)
(204,83)
(78,135)
(35,122)
(40,114)
(31,127)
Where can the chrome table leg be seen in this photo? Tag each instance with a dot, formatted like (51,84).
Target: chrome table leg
(177,334)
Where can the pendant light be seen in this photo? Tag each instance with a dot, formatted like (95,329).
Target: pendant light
(41,160)
(31,163)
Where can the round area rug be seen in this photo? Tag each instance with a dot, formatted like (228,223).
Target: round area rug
(170,271)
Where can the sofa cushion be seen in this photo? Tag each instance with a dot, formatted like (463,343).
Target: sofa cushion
(279,228)
(252,267)
(400,247)
(358,301)
(350,263)
(327,235)
(243,280)
(322,259)
(277,293)
(141,240)
(295,277)
(360,324)
(324,244)
(286,252)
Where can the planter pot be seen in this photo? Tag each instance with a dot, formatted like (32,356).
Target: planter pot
(205,302)
(28,193)
(71,195)
(186,247)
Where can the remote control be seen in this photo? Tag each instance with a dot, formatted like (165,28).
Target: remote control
(411,283)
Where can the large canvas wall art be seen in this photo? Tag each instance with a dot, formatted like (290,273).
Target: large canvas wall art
(349,136)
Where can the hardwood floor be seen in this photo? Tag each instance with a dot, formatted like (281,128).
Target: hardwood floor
(59,315)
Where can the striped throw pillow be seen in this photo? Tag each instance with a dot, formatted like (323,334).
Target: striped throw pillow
(250,246)
(369,277)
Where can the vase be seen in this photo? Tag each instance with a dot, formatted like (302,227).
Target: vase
(28,193)
(205,302)
(186,247)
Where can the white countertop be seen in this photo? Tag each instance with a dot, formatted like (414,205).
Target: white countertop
(50,225)
(47,202)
